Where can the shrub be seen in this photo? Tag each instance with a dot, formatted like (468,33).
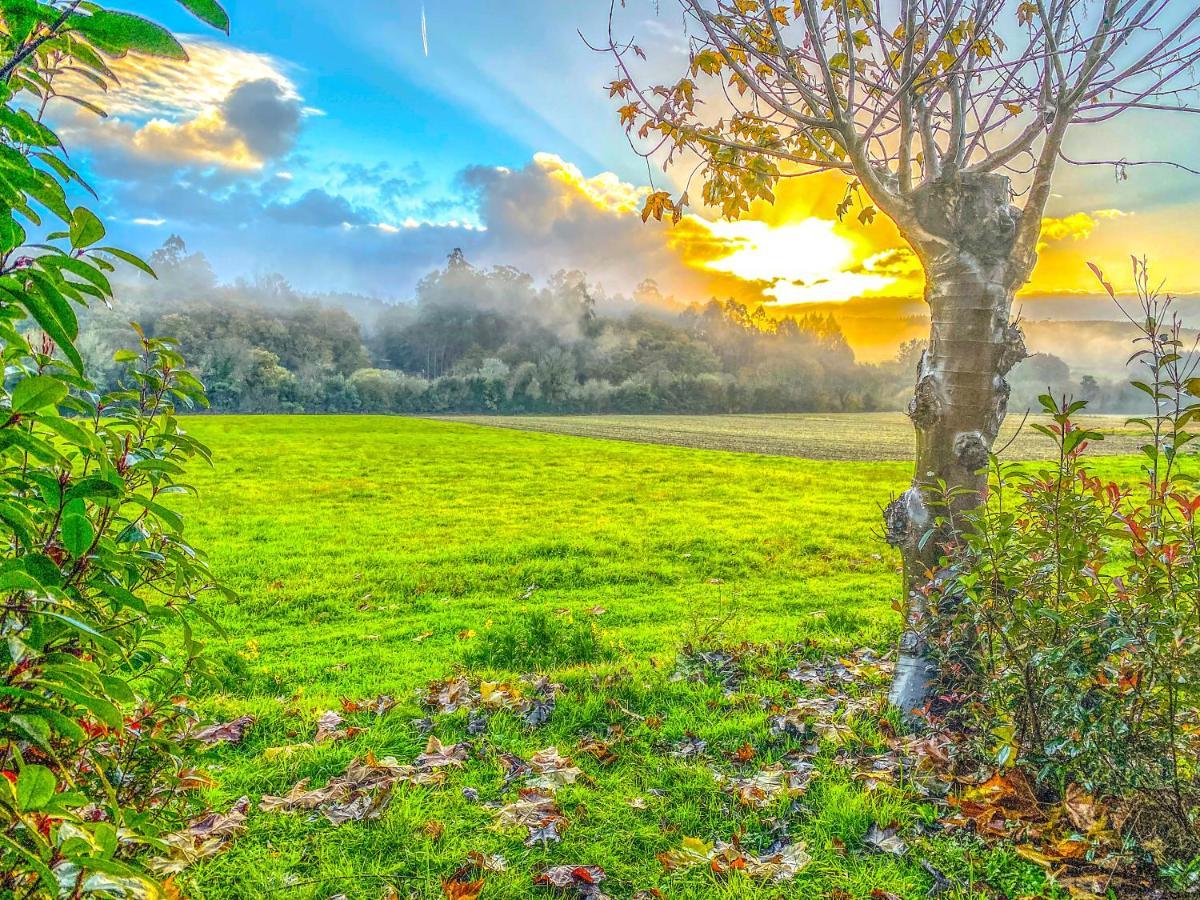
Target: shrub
(93,564)
(1075,604)
(95,568)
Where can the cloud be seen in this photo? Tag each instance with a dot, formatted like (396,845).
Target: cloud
(548,214)
(1075,226)
(318,209)
(255,123)
(263,116)
(149,87)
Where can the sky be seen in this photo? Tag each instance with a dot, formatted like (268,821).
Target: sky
(339,145)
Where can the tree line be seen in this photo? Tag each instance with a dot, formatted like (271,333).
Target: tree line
(494,340)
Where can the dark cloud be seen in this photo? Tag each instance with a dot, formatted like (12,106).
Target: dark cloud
(264,117)
(318,209)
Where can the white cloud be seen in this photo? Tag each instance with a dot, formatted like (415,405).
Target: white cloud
(149,87)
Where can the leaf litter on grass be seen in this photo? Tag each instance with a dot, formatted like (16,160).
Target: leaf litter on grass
(817,729)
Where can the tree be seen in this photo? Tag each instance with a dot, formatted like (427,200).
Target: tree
(926,107)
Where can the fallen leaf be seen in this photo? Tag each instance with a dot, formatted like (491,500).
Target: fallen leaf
(376,707)
(552,771)
(438,755)
(329,728)
(462,890)
(202,838)
(885,840)
(362,806)
(224,732)
(583,881)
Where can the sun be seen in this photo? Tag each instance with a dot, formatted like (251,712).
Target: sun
(802,262)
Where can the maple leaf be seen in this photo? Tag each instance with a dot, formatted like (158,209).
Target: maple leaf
(438,755)
(462,890)
(377,707)
(885,840)
(202,838)
(366,805)
(619,88)
(656,204)
(691,853)
(710,62)
(225,732)
(329,728)
(582,880)
(552,771)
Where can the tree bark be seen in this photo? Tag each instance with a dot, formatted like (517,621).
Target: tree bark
(965,240)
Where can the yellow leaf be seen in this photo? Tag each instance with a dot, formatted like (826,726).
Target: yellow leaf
(707,61)
(656,204)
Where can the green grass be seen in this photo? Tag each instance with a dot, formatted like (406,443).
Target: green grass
(374,555)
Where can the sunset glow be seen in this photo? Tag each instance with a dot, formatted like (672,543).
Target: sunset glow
(805,262)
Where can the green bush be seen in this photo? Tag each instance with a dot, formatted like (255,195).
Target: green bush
(93,563)
(1075,605)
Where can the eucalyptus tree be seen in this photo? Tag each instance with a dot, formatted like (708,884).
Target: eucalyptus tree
(948,117)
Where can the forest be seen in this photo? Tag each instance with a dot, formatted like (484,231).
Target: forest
(477,340)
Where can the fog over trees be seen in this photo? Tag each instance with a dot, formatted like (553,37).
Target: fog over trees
(496,340)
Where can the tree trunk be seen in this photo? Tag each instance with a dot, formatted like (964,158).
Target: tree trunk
(967,232)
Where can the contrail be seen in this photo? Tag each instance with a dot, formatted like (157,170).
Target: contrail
(424,31)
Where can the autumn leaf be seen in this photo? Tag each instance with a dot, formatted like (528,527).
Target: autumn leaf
(462,890)
(438,755)
(691,853)
(224,732)
(656,204)
(709,62)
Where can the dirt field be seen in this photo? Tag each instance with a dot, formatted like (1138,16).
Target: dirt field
(845,436)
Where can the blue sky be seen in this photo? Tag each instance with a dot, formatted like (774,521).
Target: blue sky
(320,141)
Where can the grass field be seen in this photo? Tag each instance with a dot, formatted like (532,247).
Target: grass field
(834,436)
(374,555)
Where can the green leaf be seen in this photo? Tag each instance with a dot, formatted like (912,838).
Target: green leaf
(20,16)
(12,235)
(46,316)
(208,11)
(68,430)
(37,392)
(77,534)
(34,726)
(80,267)
(104,711)
(86,229)
(117,33)
(35,786)
(136,261)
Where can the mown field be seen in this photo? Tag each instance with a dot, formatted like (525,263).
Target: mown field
(375,555)
(833,436)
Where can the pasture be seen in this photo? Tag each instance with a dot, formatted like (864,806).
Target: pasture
(375,555)
(834,436)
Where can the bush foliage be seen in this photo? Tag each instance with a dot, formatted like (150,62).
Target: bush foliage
(93,564)
(1075,605)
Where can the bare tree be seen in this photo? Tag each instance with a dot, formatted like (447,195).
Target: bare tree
(931,109)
